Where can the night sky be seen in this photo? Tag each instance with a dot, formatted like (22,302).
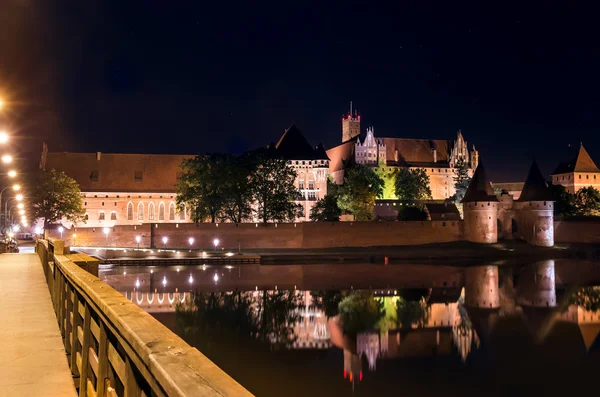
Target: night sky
(157,76)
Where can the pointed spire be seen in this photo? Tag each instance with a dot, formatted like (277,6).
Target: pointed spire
(480,188)
(581,163)
(535,187)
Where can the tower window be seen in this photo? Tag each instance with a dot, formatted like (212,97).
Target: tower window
(94,176)
(101,216)
(138,176)
(113,216)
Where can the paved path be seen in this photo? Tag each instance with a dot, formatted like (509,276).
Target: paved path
(32,356)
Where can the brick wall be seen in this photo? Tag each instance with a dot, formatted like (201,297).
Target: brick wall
(290,235)
(577,231)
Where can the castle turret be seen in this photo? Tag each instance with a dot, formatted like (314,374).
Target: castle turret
(350,125)
(480,207)
(535,210)
(482,298)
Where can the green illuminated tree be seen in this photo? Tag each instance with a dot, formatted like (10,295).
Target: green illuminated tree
(362,186)
(55,197)
(359,312)
(412,184)
(461,179)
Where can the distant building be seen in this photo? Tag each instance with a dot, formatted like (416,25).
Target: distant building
(579,172)
(311,165)
(437,157)
(122,189)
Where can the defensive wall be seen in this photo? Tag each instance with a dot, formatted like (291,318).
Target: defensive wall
(301,235)
(252,235)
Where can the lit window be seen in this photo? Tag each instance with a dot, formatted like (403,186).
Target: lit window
(130,211)
(151,211)
(140,211)
(101,216)
(172,211)
(161,212)
(113,216)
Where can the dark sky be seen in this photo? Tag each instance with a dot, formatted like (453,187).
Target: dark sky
(194,76)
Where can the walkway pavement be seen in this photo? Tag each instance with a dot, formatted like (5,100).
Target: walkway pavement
(32,357)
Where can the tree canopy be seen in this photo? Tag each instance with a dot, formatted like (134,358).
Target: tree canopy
(362,186)
(359,312)
(326,209)
(564,202)
(57,196)
(273,190)
(587,201)
(412,184)
(461,179)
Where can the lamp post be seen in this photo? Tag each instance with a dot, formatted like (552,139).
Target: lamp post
(191,241)
(216,243)
(74,238)
(137,240)
(106,231)
(164,240)
(15,188)
(7,159)
(61,230)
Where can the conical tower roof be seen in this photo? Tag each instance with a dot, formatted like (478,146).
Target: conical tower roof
(582,162)
(535,188)
(480,188)
(294,146)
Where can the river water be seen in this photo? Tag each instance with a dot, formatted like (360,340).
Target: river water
(371,330)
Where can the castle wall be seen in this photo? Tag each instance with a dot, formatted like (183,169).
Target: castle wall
(537,285)
(270,236)
(577,231)
(535,222)
(481,222)
(505,216)
(481,287)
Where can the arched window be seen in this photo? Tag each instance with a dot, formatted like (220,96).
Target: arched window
(172,211)
(182,212)
(101,216)
(161,212)
(140,211)
(151,211)
(130,211)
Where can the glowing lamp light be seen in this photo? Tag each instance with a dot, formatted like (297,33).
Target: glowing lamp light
(350,376)
(20,206)
(3,134)
(191,241)
(38,230)
(360,376)
(216,277)
(137,240)
(137,283)
(106,230)
(164,281)
(61,230)
(216,242)
(11,234)
(12,173)
(19,197)
(164,240)
(16,188)
(7,159)
(16,228)
(191,279)
(21,212)
(345,373)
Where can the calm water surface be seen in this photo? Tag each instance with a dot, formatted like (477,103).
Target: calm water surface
(370,330)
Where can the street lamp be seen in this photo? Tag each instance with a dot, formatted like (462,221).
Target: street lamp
(3,134)
(19,197)
(20,206)
(216,243)
(16,187)
(7,159)
(191,241)
(137,240)
(61,230)
(165,239)
(21,212)
(12,173)
(106,231)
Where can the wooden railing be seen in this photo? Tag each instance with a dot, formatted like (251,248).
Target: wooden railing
(115,348)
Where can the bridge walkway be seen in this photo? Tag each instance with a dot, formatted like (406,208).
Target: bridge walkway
(33,361)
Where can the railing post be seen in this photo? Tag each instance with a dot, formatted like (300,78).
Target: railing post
(74,340)
(131,387)
(102,375)
(85,352)
(69,325)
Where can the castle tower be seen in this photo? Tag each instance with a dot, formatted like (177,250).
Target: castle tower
(350,125)
(535,210)
(480,207)
(482,298)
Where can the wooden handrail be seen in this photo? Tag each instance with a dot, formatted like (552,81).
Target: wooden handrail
(117,349)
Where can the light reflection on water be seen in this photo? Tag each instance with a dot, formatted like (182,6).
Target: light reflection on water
(430,319)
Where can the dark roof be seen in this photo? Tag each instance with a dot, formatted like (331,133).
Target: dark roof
(479,188)
(112,172)
(416,151)
(341,155)
(509,186)
(581,162)
(447,209)
(535,188)
(293,146)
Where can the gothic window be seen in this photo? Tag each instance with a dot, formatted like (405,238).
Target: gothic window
(140,211)
(113,216)
(161,212)
(101,216)
(130,211)
(182,213)
(151,211)
(172,211)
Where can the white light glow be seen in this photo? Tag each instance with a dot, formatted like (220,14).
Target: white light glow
(216,277)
